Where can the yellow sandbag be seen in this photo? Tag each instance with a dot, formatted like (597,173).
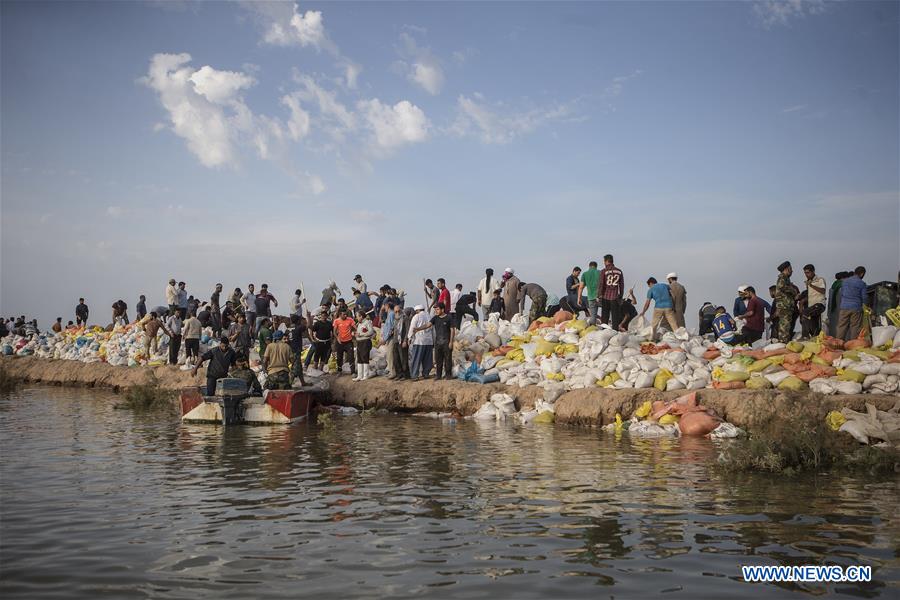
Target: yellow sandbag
(812,347)
(587,330)
(544,417)
(818,360)
(619,426)
(717,373)
(576,324)
(851,355)
(517,355)
(851,375)
(759,365)
(729,376)
(506,361)
(643,410)
(792,383)
(668,419)
(556,376)
(777,360)
(544,348)
(882,354)
(332,363)
(758,382)
(795,346)
(563,349)
(659,382)
(609,379)
(544,320)
(834,420)
(806,355)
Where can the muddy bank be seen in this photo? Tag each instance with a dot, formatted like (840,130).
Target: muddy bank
(589,407)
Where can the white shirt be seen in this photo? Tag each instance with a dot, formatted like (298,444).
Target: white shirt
(295,304)
(249,302)
(171,294)
(454,298)
(421,338)
(487,295)
(362,287)
(812,296)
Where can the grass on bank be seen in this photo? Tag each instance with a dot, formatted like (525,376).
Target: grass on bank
(797,440)
(146,397)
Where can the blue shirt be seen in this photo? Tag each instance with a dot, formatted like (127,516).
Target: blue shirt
(363,302)
(853,293)
(767,306)
(740,306)
(659,293)
(723,327)
(571,295)
(387,329)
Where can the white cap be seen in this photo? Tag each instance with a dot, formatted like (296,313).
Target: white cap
(672,275)
(509,270)
(742,288)
(419,307)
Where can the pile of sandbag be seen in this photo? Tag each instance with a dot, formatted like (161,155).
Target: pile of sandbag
(876,427)
(682,416)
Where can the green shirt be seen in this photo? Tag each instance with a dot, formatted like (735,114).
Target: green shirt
(591,279)
(265,335)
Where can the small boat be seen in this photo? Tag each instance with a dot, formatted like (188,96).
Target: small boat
(227,407)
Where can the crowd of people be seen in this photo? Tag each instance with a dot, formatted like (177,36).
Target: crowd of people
(420,338)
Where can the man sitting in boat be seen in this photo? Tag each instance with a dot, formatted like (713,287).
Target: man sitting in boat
(275,362)
(220,358)
(243,372)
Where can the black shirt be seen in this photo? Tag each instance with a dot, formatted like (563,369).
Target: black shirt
(322,329)
(262,305)
(219,362)
(442,326)
(141,309)
(204,317)
(295,339)
(465,301)
(81,311)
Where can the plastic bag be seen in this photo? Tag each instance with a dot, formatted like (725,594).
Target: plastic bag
(758,382)
(643,410)
(792,383)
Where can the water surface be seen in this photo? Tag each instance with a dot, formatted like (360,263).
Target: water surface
(101,502)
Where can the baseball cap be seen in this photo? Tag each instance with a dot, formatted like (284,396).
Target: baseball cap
(419,307)
(672,275)
(742,288)
(277,335)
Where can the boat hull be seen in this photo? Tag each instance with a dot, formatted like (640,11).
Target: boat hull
(276,407)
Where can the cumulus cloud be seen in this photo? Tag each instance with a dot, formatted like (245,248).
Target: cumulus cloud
(500,124)
(335,118)
(394,126)
(298,123)
(775,13)
(420,66)
(206,109)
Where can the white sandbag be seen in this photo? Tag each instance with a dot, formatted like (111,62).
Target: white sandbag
(674,383)
(504,403)
(726,431)
(866,367)
(774,346)
(883,335)
(487,412)
(871,380)
(636,324)
(651,429)
(890,369)
(643,380)
(824,386)
(777,377)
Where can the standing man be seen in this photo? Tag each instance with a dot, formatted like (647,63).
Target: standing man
(740,303)
(248,301)
(242,338)
(183,298)
(590,283)
(573,286)
(785,302)
(510,293)
(221,358)
(753,318)
(329,295)
(360,285)
(443,295)
(263,302)
(444,332)
(611,288)
(151,329)
(320,332)
(402,318)
(191,331)
(834,302)
(389,339)
(344,328)
(81,313)
(276,363)
(295,342)
(215,309)
(679,298)
(297,303)
(662,308)
(538,297)
(455,293)
(853,298)
(485,291)
(174,324)
(811,317)
(172,296)
(431,295)
(141,307)
(422,342)
(119,313)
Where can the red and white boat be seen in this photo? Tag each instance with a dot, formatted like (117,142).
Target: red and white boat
(273,407)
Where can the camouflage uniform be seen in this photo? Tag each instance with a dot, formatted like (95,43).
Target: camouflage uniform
(785,305)
(279,381)
(250,377)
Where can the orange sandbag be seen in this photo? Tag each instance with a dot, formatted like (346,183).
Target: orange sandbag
(502,351)
(833,343)
(778,352)
(793,357)
(830,355)
(659,408)
(699,422)
(754,354)
(856,344)
(727,385)
(562,316)
(895,357)
(712,354)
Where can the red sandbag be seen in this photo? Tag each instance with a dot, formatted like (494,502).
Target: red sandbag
(857,344)
(793,357)
(728,385)
(830,355)
(833,343)
(778,352)
(712,354)
(502,351)
(699,422)
(562,316)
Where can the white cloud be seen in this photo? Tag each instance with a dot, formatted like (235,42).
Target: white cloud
(316,185)
(795,108)
(157,127)
(285,25)
(460,57)
(351,74)
(773,13)
(298,123)
(367,216)
(337,119)
(394,126)
(115,211)
(618,84)
(207,110)
(501,124)
(420,65)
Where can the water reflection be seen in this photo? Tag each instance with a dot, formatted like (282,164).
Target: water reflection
(103,502)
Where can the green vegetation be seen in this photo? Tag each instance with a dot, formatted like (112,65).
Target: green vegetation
(797,440)
(149,396)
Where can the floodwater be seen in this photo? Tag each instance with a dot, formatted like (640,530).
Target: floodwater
(98,502)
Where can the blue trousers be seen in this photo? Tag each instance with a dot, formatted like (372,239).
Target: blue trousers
(422,360)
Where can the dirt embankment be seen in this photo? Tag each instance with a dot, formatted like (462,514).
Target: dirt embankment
(590,407)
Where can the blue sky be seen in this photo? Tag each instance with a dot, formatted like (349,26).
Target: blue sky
(300,142)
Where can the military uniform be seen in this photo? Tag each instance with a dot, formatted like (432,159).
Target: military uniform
(250,377)
(785,305)
(279,381)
